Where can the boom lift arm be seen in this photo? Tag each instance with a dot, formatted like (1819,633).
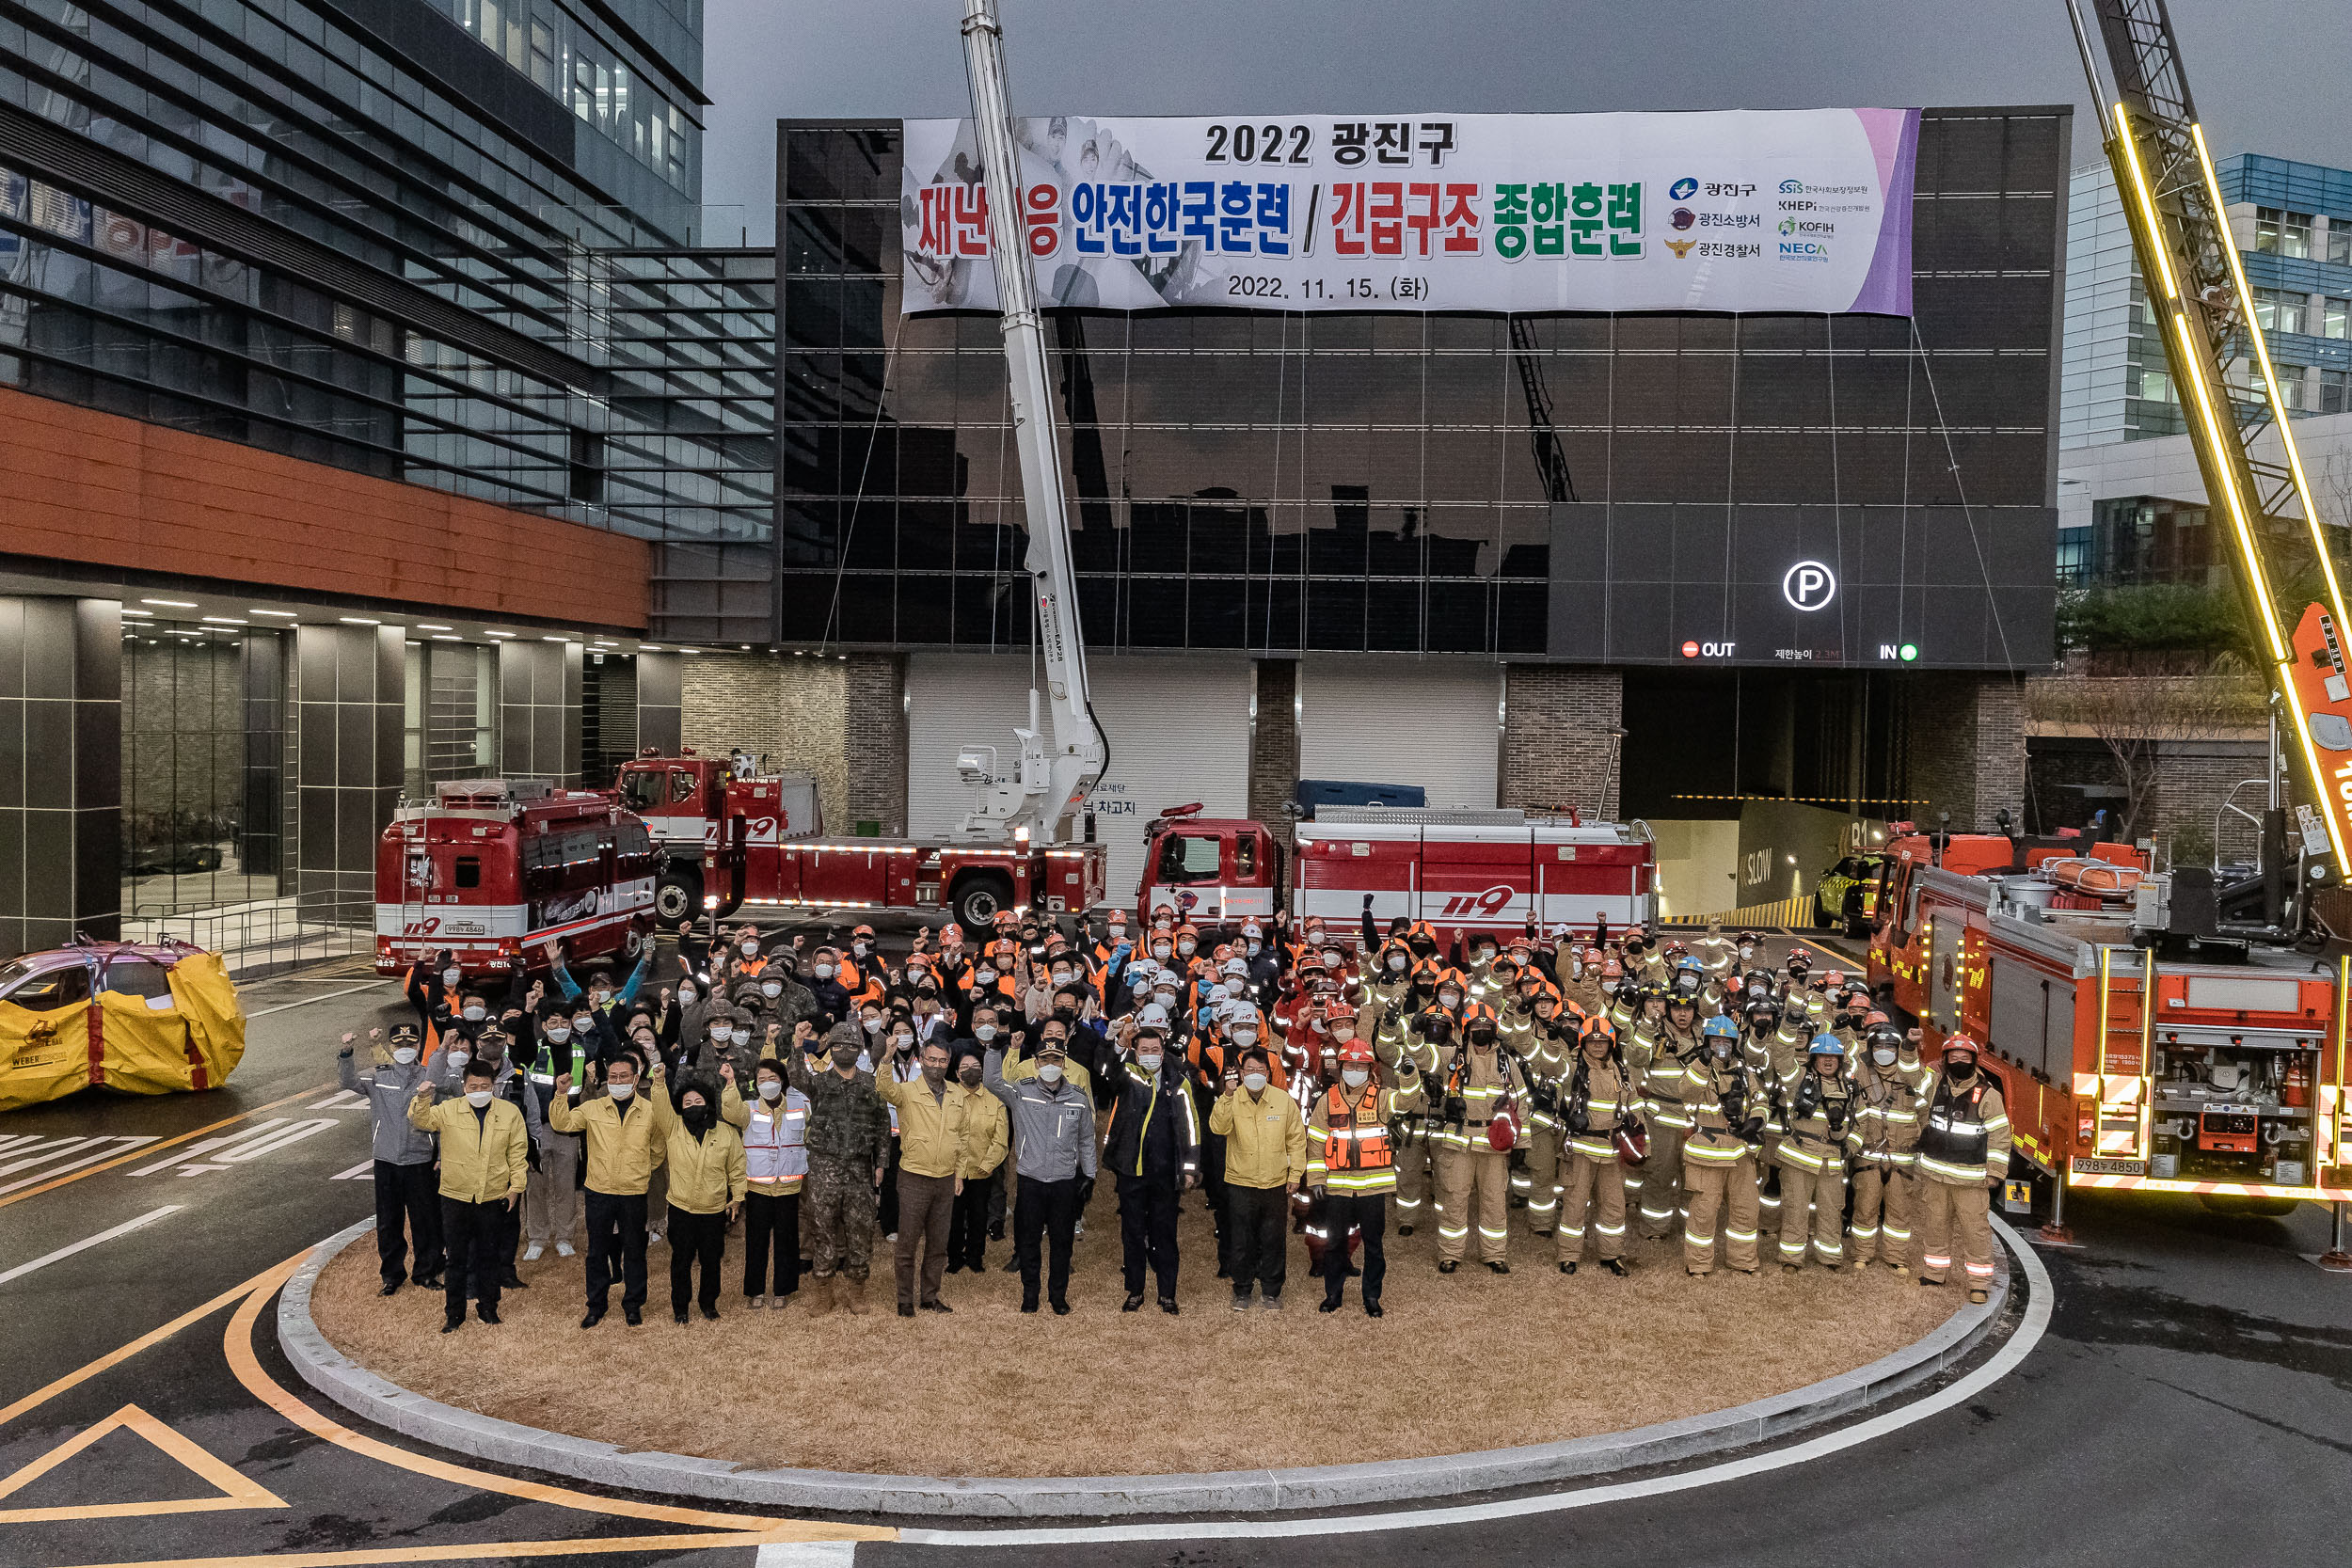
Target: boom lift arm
(2195,284)
(1049,782)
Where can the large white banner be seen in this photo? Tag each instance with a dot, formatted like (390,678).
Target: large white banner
(1803,209)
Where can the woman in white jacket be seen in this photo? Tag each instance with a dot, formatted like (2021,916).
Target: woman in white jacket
(774,1124)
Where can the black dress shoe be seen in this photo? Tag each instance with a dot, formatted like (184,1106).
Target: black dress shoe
(678,1318)
(710,1313)
(635,1318)
(997,1233)
(1029,1303)
(906,1309)
(935,1306)
(1061,1310)
(427,1281)
(391,1289)
(1372,1309)
(595,1316)
(1448,1266)
(453,1325)
(1326,1304)
(487,1314)
(1012,1265)
(1168,1304)
(955,1268)
(1499,1266)
(1134,1302)
(512,1281)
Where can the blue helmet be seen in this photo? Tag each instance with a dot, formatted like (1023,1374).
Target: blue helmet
(1720,1025)
(1826,1045)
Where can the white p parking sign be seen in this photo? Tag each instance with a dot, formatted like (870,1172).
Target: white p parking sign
(1808,586)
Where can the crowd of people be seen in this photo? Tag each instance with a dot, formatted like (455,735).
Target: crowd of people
(1309,1080)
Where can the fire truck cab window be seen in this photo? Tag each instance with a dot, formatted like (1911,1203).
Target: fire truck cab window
(469,871)
(681,786)
(1189,859)
(640,789)
(1246,857)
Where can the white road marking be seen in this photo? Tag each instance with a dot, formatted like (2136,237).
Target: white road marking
(190,1155)
(341,1099)
(89,1150)
(364,1168)
(2004,1361)
(122,1229)
(327,996)
(806,1554)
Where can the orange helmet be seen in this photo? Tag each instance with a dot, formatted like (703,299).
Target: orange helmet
(1597,1025)
(862,930)
(1358,1051)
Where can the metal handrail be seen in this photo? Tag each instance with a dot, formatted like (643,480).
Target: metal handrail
(2229,804)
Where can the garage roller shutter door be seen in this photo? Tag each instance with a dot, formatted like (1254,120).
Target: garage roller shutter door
(1179,732)
(1404,723)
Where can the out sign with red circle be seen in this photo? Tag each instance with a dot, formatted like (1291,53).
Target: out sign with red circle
(1707,650)
(1690,650)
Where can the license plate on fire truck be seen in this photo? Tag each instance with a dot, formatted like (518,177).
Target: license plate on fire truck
(2111,1168)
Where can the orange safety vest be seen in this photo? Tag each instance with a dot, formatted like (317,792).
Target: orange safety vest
(1368,1148)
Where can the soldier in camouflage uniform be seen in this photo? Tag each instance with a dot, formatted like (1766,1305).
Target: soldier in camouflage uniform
(847,1126)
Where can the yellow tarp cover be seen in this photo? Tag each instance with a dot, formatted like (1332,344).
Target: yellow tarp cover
(192,1039)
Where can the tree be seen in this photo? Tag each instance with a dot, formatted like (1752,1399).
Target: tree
(2132,716)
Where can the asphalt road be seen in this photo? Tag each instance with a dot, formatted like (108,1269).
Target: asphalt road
(2190,1402)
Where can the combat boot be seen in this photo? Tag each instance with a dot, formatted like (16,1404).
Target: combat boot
(853,1295)
(820,1294)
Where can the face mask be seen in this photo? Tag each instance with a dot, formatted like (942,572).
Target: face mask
(1354,1077)
(1232,986)
(403,1054)
(1119,933)
(692,1106)
(557,1037)
(1251,947)
(983,1032)
(686,995)
(1482,1040)
(824,972)
(621,1091)
(1245,1036)
(477,1098)
(599,996)
(1883,1056)
(1318,1025)
(986,976)
(1332,957)
(969,1076)
(1449,998)
(1959,1072)
(743,1037)
(1165,999)
(858,948)
(1253,1082)
(582,1025)
(902,1042)
(460,1058)
(771,988)
(1061,977)
(1746,951)
(844,1057)
(751,950)
(770,1089)
(1187,946)
(1049,1072)
(1149,1061)
(450,976)
(476,1014)
(873,1025)
(1162,951)
(1396,963)
(865,1062)
(1723,1046)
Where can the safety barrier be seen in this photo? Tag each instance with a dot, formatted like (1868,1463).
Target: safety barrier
(266,935)
(1795,911)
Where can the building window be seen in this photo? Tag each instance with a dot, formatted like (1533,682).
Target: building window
(2335,391)
(2340,242)
(543,68)
(2074,556)
(2335,317)
(200,787)
(2279,309)
(2155,386)
(2139,539)
(2283,234)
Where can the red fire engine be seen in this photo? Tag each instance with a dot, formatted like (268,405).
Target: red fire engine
(2132,1054)
(727,839)
(493,868)
(1459,870)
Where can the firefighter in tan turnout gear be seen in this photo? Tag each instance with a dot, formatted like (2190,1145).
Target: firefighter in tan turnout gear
(1962,1154)
(1816,1121)
(1598,1100)
(1886,1128)
(1476,1087)
(1726,1103)
(1666,1045)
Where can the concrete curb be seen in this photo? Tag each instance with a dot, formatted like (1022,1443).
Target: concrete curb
(337,1376)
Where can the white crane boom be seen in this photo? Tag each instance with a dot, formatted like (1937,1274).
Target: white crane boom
(1050,783)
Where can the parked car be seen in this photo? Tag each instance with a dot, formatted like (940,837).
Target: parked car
(1847,896)
(138,1018)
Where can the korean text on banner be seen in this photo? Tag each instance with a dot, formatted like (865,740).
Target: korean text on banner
(1739,211)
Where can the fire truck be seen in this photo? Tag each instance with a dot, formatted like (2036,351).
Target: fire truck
(727,834)
(2139,1045)
(1461,870)
(490,868)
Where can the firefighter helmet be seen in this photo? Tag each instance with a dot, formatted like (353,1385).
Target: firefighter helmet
(1596,1024)
(1960,1043)
(1720,1025)
(1826,1045)
(1355,1050)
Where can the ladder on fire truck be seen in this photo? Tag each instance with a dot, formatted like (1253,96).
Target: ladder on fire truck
(1047,785)
(2222,368)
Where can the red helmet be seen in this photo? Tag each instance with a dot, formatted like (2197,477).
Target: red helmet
(1961,1042)
(1358,1051)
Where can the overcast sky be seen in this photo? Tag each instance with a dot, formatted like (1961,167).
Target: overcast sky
(2269,75)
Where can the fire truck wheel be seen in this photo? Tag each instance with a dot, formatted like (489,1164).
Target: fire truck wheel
(679,896)
(978,896)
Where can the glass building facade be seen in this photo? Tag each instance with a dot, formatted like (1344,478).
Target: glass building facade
(390,235)
(1280,483)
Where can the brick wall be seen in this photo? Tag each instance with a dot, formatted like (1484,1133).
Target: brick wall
(1557,750)
(1274,746)
(100,489)
(874,740)
(785,708)
(1965,741)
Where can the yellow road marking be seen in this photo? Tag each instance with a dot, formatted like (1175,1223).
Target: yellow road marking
(238,1344)
(152,1337)
(479,1551)
(144,1150)
(235,1490)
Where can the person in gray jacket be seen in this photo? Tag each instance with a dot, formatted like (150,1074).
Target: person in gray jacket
(1053,1132)
(404,1186)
